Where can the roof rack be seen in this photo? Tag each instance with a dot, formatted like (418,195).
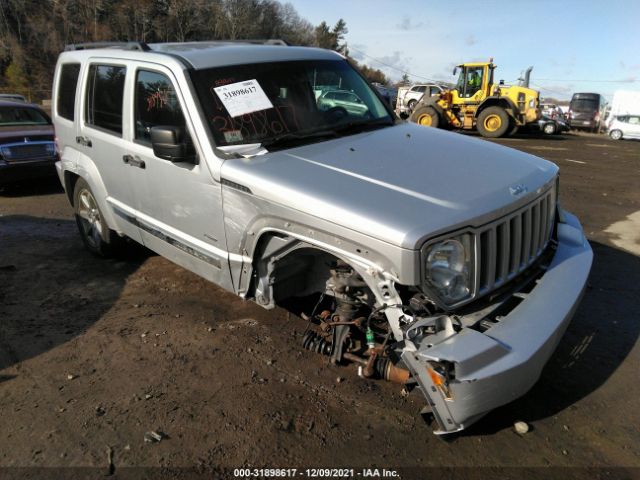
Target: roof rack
(141,46)
(268,41)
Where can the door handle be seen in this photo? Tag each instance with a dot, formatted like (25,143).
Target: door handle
(83,141)
(133,161)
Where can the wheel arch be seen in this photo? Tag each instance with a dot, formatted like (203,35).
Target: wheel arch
(501,102)
(86,169)
(285,264)
(70,179)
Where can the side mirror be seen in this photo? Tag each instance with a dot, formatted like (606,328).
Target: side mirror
(172,143)
(455,70)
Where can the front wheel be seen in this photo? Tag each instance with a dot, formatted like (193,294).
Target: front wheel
(426,116)
(615,134)
(95,233)
(411,105)
(549,128)
(493,122)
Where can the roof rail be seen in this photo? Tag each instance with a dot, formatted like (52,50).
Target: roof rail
(276,41)
(143,47)
(259,41)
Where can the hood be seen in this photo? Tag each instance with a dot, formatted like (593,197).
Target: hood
(400,184)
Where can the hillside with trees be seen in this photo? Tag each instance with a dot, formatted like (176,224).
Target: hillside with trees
(34,32)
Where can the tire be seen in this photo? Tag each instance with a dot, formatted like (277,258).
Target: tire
(426,116)
(94,231)
(493,122)
(615,134)
(411,105)
(549,128)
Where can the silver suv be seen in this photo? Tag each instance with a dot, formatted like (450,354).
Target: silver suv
(427,258)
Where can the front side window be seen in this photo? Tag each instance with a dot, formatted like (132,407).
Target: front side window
(156,104)
(474,80)
(67,90)
(267,102)
(105,91)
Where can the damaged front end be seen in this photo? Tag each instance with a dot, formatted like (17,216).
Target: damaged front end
(491,352)
(472,358)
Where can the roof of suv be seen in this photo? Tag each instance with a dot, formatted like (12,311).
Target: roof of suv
(200,55)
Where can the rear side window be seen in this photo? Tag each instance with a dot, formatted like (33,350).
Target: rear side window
(156,104)
(105,90)
(67,89)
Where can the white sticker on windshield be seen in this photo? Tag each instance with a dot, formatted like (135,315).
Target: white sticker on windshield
(243,97)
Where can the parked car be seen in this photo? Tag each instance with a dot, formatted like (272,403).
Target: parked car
(408,97)
(585,110)
(438,261)
(342,99)
(388,93)
(552,125)
(27,147)
(13,97)
(625,127)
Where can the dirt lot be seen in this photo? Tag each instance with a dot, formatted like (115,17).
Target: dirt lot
(94,353)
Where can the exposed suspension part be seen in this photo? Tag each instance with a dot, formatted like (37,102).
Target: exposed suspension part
(346,334)
(317,343)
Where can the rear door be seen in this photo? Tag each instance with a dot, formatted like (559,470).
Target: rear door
(100,138)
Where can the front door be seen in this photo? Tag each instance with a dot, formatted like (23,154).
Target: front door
(179,204)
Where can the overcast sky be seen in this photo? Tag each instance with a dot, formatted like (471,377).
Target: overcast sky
(573,45)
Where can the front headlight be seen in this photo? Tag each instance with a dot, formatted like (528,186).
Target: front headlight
(5,152)
(448,268)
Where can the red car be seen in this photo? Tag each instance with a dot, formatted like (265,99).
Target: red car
(27,146)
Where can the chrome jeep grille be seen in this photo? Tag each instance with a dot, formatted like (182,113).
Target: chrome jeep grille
(508,246)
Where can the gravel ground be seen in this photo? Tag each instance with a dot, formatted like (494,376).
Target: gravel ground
(94,353)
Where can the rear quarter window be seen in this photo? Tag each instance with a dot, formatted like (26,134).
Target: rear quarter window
(105,92)
(67,90)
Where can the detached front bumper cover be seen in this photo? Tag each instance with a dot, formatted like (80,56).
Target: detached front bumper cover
(497,366)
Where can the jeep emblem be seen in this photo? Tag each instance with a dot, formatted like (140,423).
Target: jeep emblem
(518,189)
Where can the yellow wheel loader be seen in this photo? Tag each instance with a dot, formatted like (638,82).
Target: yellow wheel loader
(477,102)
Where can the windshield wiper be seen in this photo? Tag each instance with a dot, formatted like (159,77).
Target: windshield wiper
(358,127)
(291,139)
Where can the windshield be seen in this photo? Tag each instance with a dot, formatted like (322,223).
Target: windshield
(584,105)
(10,116)
(307,101)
